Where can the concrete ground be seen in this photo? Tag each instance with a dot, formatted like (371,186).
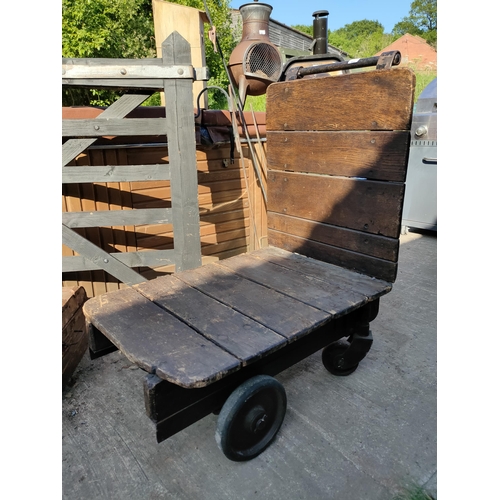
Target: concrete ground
(370,435)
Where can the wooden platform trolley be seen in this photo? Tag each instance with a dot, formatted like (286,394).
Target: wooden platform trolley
(210,339)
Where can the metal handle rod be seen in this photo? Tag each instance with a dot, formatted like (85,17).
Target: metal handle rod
(351,64)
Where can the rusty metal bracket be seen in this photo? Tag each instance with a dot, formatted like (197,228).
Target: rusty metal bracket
(388,59)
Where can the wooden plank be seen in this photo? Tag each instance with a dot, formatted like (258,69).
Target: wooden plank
(101,126)
(118,217)
(374,155)
(155,258)
(74,336)
(369,206)
(276,311)
(373,100)
(169,17)
(122,70)
(182,156)
(99,257)
(72,299)
(243,337)
(119,109)
(157,341)
(365,264)
(375,245)
(324,271)
(330,297)
(116,173)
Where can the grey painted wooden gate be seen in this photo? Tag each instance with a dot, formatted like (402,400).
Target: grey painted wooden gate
(174,75)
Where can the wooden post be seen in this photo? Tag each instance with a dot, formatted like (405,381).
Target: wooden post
(182,156)
(189,22)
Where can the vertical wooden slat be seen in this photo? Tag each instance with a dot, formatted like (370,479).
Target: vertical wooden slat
(182,156)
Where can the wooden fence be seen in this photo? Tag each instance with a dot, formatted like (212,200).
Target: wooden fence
(139,198)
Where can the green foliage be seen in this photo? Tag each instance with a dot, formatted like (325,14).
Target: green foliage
(308,30)
(359,29)
(125,29)
(105,28)
(414,493)
(360,46)
(360,38)
(421,21)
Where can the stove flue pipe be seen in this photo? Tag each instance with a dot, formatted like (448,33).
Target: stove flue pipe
(320,32)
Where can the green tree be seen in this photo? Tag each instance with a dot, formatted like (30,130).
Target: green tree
(125,29)
(308,30)
(421,21)
(360,38)
(105,28)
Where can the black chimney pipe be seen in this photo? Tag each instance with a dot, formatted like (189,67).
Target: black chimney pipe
(320,32)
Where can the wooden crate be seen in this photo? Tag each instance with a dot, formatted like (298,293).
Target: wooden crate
(74,333)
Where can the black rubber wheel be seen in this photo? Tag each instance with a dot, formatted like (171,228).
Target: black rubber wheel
(332,358)
(251,418)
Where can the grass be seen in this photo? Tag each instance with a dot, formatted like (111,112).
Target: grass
(414,493)
(258,103)
(423,78)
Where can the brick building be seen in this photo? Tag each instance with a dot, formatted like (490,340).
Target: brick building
(415,51)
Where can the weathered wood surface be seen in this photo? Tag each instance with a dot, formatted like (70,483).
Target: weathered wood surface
(115,173)
(286,316)
(369,206)
(118,217)
(157,341)
(121,127)
(157,258)
(119,109)
(337,167)
(372,154)
(375,245)
(96,257)
(180,129)
(379,268)
(335,275)
(374,100)
(328,297)
(199,325)
(74,336)
(240,335)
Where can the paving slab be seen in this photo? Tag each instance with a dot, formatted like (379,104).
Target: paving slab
(366,436)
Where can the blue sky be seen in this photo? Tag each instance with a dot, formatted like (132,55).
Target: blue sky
(292,12)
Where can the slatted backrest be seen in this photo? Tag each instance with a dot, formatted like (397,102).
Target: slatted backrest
(337,153)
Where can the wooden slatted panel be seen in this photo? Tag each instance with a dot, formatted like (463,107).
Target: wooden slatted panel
(328,297)
(374,100)
(372,154)
(225,226)
(243,337)
(284,315)
(195,327)
(337,167)
(164,345)
(369,206)
(334,275)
